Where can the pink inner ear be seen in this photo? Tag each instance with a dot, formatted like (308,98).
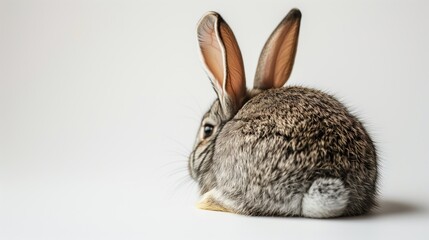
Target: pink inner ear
(211,50)
(236,81)
(286,56)
(278,56)
(222,59)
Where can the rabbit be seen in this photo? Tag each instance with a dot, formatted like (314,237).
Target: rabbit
(274,150)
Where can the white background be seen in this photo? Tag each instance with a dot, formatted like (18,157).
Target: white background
(100,102)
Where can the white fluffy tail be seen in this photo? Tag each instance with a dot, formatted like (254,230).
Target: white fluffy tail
(326,197)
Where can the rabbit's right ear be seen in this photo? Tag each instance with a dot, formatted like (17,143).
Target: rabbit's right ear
(278,55)
(222,61)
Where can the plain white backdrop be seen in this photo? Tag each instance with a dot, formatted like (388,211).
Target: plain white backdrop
(100,102)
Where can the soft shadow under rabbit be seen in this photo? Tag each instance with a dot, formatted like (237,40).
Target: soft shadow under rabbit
(274,151)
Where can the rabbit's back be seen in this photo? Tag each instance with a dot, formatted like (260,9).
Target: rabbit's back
(282,142)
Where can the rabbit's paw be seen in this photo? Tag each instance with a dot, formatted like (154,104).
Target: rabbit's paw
(210,202)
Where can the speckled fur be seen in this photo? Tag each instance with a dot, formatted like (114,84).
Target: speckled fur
(274,150)
(263,160)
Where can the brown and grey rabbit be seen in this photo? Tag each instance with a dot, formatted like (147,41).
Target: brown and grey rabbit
(274,151)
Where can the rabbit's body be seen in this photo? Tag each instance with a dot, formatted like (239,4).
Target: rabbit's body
(276,151)
(279,143)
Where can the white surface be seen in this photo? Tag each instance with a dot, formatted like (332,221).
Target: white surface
(100,102)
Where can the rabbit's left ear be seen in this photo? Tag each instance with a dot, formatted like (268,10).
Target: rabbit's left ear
(222,61)
(278,55)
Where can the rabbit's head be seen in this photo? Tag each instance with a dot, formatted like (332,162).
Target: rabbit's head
(223,64)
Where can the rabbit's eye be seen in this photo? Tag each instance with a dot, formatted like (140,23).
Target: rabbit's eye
(207,130)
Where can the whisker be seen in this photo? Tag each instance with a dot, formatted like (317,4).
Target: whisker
(172,165)
(178,154)
(179,144)
(177,171)
(185,182)
(185,148)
